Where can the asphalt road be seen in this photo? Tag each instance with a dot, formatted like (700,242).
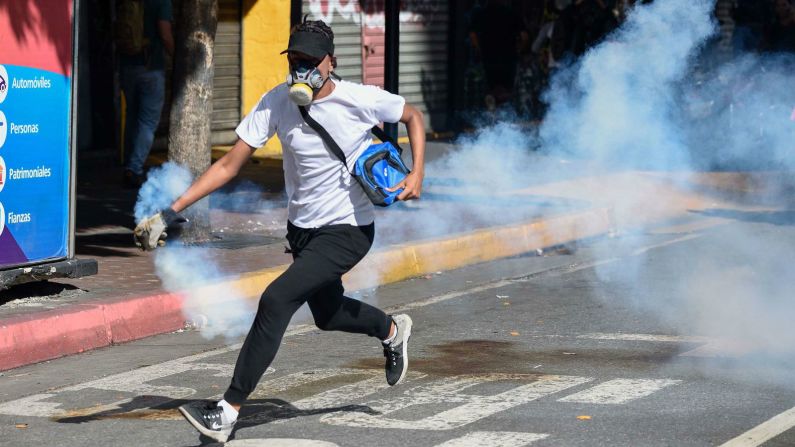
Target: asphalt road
(595,346)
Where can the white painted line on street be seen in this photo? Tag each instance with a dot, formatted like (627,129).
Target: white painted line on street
(764,431)
(494,439)
(722,348)
(636,252)
(684,238)
(448,296)
(619,391)
(646,337)
(710,347)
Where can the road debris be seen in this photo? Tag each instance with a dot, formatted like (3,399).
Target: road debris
(514,333)
(21,426)
(584,418)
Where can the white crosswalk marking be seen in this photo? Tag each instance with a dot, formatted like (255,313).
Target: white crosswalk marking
(348,393)
(136,381)
(619,391)
(276,386)
(494,439)
(279,442)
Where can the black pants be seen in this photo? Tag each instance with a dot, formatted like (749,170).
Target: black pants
(320,257)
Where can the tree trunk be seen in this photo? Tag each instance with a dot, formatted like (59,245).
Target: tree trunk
(189,141)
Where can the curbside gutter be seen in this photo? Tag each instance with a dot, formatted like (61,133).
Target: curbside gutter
(73,329)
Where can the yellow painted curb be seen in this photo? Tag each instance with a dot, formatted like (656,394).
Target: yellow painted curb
(400,262)
(415,259)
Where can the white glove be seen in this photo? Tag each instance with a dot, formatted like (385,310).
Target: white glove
(151,231)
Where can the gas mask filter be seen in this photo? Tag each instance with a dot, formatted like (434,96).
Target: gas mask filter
(303,80)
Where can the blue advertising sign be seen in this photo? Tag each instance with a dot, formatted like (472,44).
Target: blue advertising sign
(35,122)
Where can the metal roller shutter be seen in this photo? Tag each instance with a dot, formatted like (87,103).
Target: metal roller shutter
(423,49)
(226,83)
(422,75)
(345,21)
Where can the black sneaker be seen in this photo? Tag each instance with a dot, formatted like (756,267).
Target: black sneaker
(209,419)
(396,353)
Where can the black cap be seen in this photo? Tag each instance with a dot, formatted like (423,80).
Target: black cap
(312,44)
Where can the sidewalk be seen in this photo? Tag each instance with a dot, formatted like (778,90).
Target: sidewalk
(126,300)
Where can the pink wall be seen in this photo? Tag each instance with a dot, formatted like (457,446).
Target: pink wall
(37,33)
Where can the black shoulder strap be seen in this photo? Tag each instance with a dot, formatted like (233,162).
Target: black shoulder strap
(383,136)
(332,145)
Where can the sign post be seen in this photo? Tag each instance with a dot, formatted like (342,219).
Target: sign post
(37,142)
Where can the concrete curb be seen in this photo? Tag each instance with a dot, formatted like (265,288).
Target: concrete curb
(73,329)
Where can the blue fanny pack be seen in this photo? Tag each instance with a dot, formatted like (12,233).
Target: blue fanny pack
(378,168)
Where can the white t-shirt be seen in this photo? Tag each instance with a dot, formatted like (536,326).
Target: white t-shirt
(320,191)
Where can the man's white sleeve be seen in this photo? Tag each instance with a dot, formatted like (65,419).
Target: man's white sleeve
(258,126)
(387,107)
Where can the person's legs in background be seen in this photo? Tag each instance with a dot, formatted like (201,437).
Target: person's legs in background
(144,104)
(128,78)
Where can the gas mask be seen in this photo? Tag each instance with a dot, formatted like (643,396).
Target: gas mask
(304,79)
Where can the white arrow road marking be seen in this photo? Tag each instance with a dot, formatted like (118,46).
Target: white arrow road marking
(764,431)
(619,391)
(494,439)
(471,407)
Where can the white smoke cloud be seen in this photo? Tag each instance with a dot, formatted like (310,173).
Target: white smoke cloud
(163,185)
(746,122)
(618,103)
(645,98)
(210,303)
(474,187)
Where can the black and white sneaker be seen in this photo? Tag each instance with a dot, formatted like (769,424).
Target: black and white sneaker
(396,352)
(209,419)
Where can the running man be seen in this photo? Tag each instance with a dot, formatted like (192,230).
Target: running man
(330,224)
